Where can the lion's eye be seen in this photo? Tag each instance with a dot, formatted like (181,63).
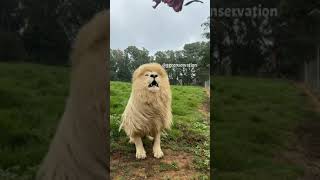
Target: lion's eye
(147,75)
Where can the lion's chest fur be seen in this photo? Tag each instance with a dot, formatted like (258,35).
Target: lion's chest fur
(146,114)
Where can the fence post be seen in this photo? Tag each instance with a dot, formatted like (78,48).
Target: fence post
(318,67)
(305,78)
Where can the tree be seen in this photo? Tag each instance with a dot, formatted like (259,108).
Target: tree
(121,62)
(136,57)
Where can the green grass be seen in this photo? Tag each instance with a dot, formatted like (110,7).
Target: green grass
(32,99)
(190,130)
(254,122)
(168,167)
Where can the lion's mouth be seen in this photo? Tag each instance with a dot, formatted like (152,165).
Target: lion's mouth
(153,84)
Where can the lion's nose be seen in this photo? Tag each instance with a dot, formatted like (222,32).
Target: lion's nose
(154,75)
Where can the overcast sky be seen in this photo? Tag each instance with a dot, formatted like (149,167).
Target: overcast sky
(135,22)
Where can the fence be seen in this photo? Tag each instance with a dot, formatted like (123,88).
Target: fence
(207,84)
(312,73)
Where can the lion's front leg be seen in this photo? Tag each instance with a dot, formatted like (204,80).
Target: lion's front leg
(157,152)
(140,152)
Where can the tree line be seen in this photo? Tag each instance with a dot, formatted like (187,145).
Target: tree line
(189,66)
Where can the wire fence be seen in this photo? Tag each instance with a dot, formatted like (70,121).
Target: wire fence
(311,73)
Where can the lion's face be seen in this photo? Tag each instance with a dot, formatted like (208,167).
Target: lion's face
(151,77)
(152,80)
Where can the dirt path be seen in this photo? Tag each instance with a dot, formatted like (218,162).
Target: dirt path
(306,150)
(174,164)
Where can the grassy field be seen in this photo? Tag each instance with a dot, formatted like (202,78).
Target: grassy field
(186,146)
(32,100)
(255,122)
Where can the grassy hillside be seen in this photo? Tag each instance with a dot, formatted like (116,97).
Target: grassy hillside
(32,99)
(189,134)
(255,122)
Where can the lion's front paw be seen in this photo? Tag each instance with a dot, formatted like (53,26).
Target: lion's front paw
(157,153)
(141,154)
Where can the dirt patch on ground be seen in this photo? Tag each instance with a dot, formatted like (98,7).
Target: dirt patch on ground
(174,164)
(305,151)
